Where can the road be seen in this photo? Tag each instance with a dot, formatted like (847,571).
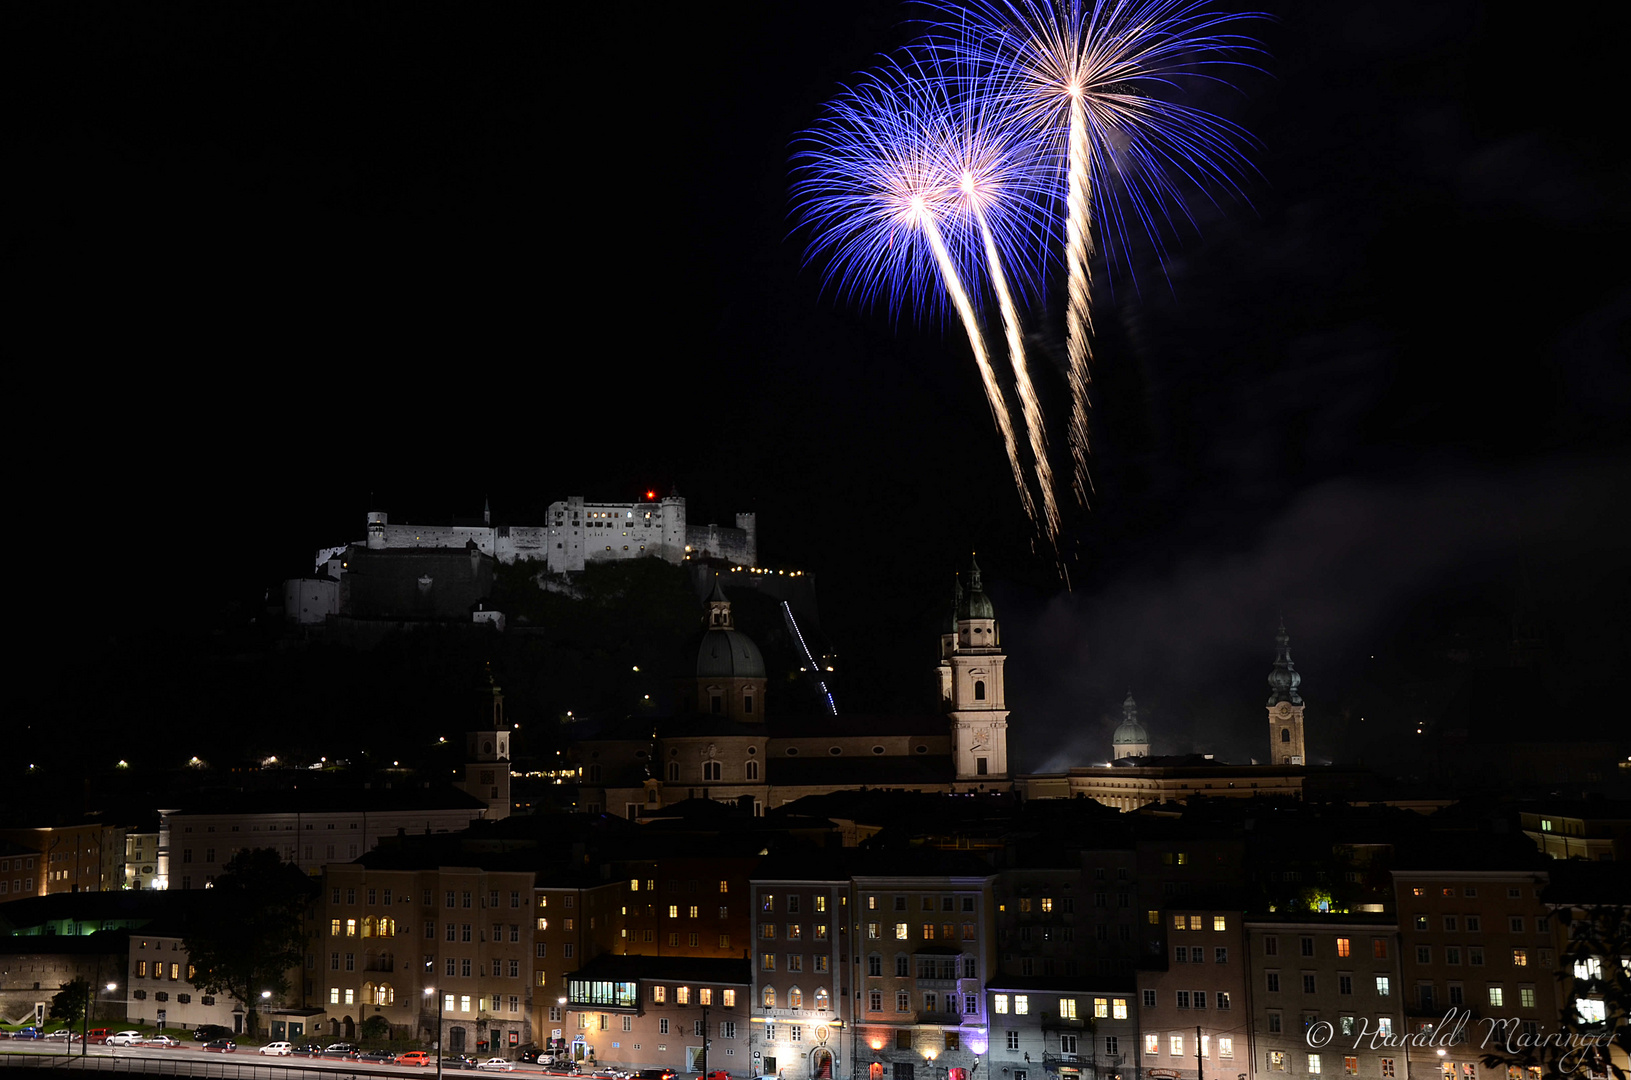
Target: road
(194,1061)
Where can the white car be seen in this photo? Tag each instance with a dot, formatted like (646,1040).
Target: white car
(278,1049)
(496,1065)
(125,1038)
(161,1040)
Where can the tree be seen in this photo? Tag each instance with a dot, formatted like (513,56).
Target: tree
(1594,981)
(376,1029)
(248,934)
(69,1005)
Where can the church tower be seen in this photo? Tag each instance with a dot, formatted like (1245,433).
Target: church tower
(1285,706)
(487,756)
(979,710)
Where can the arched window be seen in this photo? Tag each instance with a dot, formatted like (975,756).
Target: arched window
(594,774)
(674,772)
(770,997)
(710,770)
(795,998)
(747,703)
(979,689)
(1285,734)
(651,796)
(821,1000)
(367,926)
(751,770)
(716,704)
(387,926)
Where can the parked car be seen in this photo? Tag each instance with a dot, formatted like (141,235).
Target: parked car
(458,1061)
(611,1072)
(718,1074)
(341,1049)
(97,1036)
(27,1033)
(496,1064)
(656,1074)
(308,1050)
(277,1049)
(206,1032)
(161,1040)
(379,1057)
(413,1057)
(220,1046)
(62,1033)
(125,1038)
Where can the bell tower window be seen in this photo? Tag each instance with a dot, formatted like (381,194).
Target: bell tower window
(979,689)
(1285,733)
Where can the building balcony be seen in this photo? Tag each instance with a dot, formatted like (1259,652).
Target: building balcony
(1062,1023)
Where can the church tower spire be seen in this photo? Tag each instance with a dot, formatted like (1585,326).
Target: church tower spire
(979,709)
(1285,705)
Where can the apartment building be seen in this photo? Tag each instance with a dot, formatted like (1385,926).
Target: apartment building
(1193,1019)
(1478,943)
(1323,996)
(441,953)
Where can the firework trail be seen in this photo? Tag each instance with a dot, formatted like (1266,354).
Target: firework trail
(903,190)
(1029,406)
(1096,77)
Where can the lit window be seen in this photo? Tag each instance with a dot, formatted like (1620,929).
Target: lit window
(1022,1004)
(1000,1003)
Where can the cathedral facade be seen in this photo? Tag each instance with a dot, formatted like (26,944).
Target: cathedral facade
(725,742)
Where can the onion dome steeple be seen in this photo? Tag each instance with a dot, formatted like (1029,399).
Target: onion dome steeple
(974,604)
(1283,677)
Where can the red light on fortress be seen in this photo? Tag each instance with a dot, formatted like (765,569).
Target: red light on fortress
(651,494)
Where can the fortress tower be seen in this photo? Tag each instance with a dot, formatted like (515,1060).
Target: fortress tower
(979,710)
(1285,706)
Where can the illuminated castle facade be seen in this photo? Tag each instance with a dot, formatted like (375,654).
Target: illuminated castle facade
(576,533)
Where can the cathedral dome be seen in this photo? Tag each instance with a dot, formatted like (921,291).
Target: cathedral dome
(725,654)
(1131,739)
(1130,733)
(721,651)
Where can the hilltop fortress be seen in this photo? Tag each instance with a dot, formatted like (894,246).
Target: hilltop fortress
(576,533)
(446,570)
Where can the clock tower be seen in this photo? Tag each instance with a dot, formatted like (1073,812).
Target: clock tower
(979,709)
(1285,706)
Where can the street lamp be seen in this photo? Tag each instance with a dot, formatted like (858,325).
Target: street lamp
(561,1001)
(266,1009)
(90,999)
(429,990)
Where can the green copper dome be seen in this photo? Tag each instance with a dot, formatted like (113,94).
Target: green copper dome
(973,603)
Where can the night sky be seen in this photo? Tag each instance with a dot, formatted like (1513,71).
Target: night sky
(273,263)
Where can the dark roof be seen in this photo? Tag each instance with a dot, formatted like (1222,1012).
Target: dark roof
(667,968)
(850,771)
(326,797)
(857,724)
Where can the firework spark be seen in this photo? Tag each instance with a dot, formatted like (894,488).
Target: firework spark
(1096,77)
(904,187)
